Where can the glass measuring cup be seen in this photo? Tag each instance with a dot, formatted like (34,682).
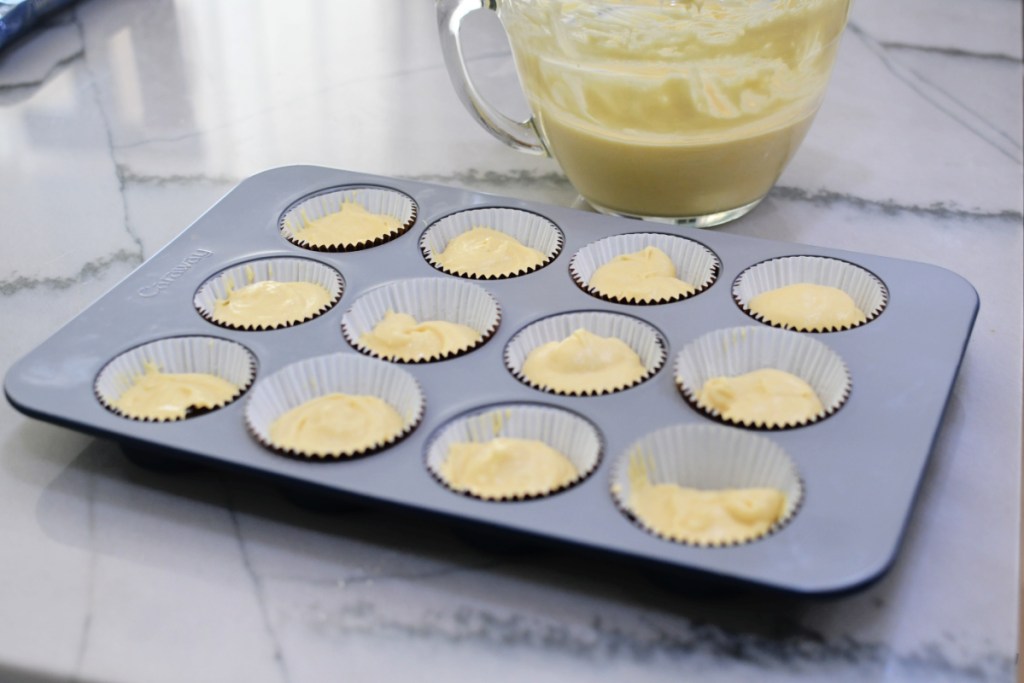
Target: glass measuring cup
(681,111)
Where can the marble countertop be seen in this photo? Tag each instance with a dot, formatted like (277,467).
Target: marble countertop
(124,120)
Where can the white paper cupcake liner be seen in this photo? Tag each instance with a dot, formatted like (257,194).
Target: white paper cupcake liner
(566,432)
(709,457)
(640,336)
(431,298)
(226,359)
(739,350)
(343,373)
(376,200)
(694,262)
(530,229)
(868,292)
(281,269)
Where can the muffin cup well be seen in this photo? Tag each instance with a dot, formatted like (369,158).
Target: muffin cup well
(566,432)
(344,373)
(222,358)
(738,350)
(868,292)
(376,200)
(530,229)
(707,457)
(643,338)
(431,298)
(694,263)
(279,269)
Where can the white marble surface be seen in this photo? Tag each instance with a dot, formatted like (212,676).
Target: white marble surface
(124,120)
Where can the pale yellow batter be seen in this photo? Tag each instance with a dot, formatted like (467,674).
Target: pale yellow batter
(269,303)
(163,396)
(505,467)
(704,517)
(399,337)
(686,110)
(488,252)
(352,224)
(808,307)
(645,275)
(767,397)
(335,425)
(583,362)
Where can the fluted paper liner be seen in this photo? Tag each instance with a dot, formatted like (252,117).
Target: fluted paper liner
(226,359)
(868,292)
(566,432)
(343,373)
(376,200)
(530,229)
(738,350)
(640,336)
(694,263)
(280,269)
(709,457)
(430,298)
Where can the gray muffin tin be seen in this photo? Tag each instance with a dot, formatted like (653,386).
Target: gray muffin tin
(861,467)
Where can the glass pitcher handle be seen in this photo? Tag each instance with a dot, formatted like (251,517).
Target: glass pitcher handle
(520,135)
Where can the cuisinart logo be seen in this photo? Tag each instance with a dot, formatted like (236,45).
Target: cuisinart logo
(168,279)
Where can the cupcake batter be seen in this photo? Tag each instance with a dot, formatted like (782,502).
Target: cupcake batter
(808,307)
(767,397)
(352,224)
(686,110)
(705,517)
(336,424)
(164,396)
(488,252)
(270,303)
(505,467)
(583,362)
(645,275)
(399,337)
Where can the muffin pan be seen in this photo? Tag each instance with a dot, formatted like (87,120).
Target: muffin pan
(859,469)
